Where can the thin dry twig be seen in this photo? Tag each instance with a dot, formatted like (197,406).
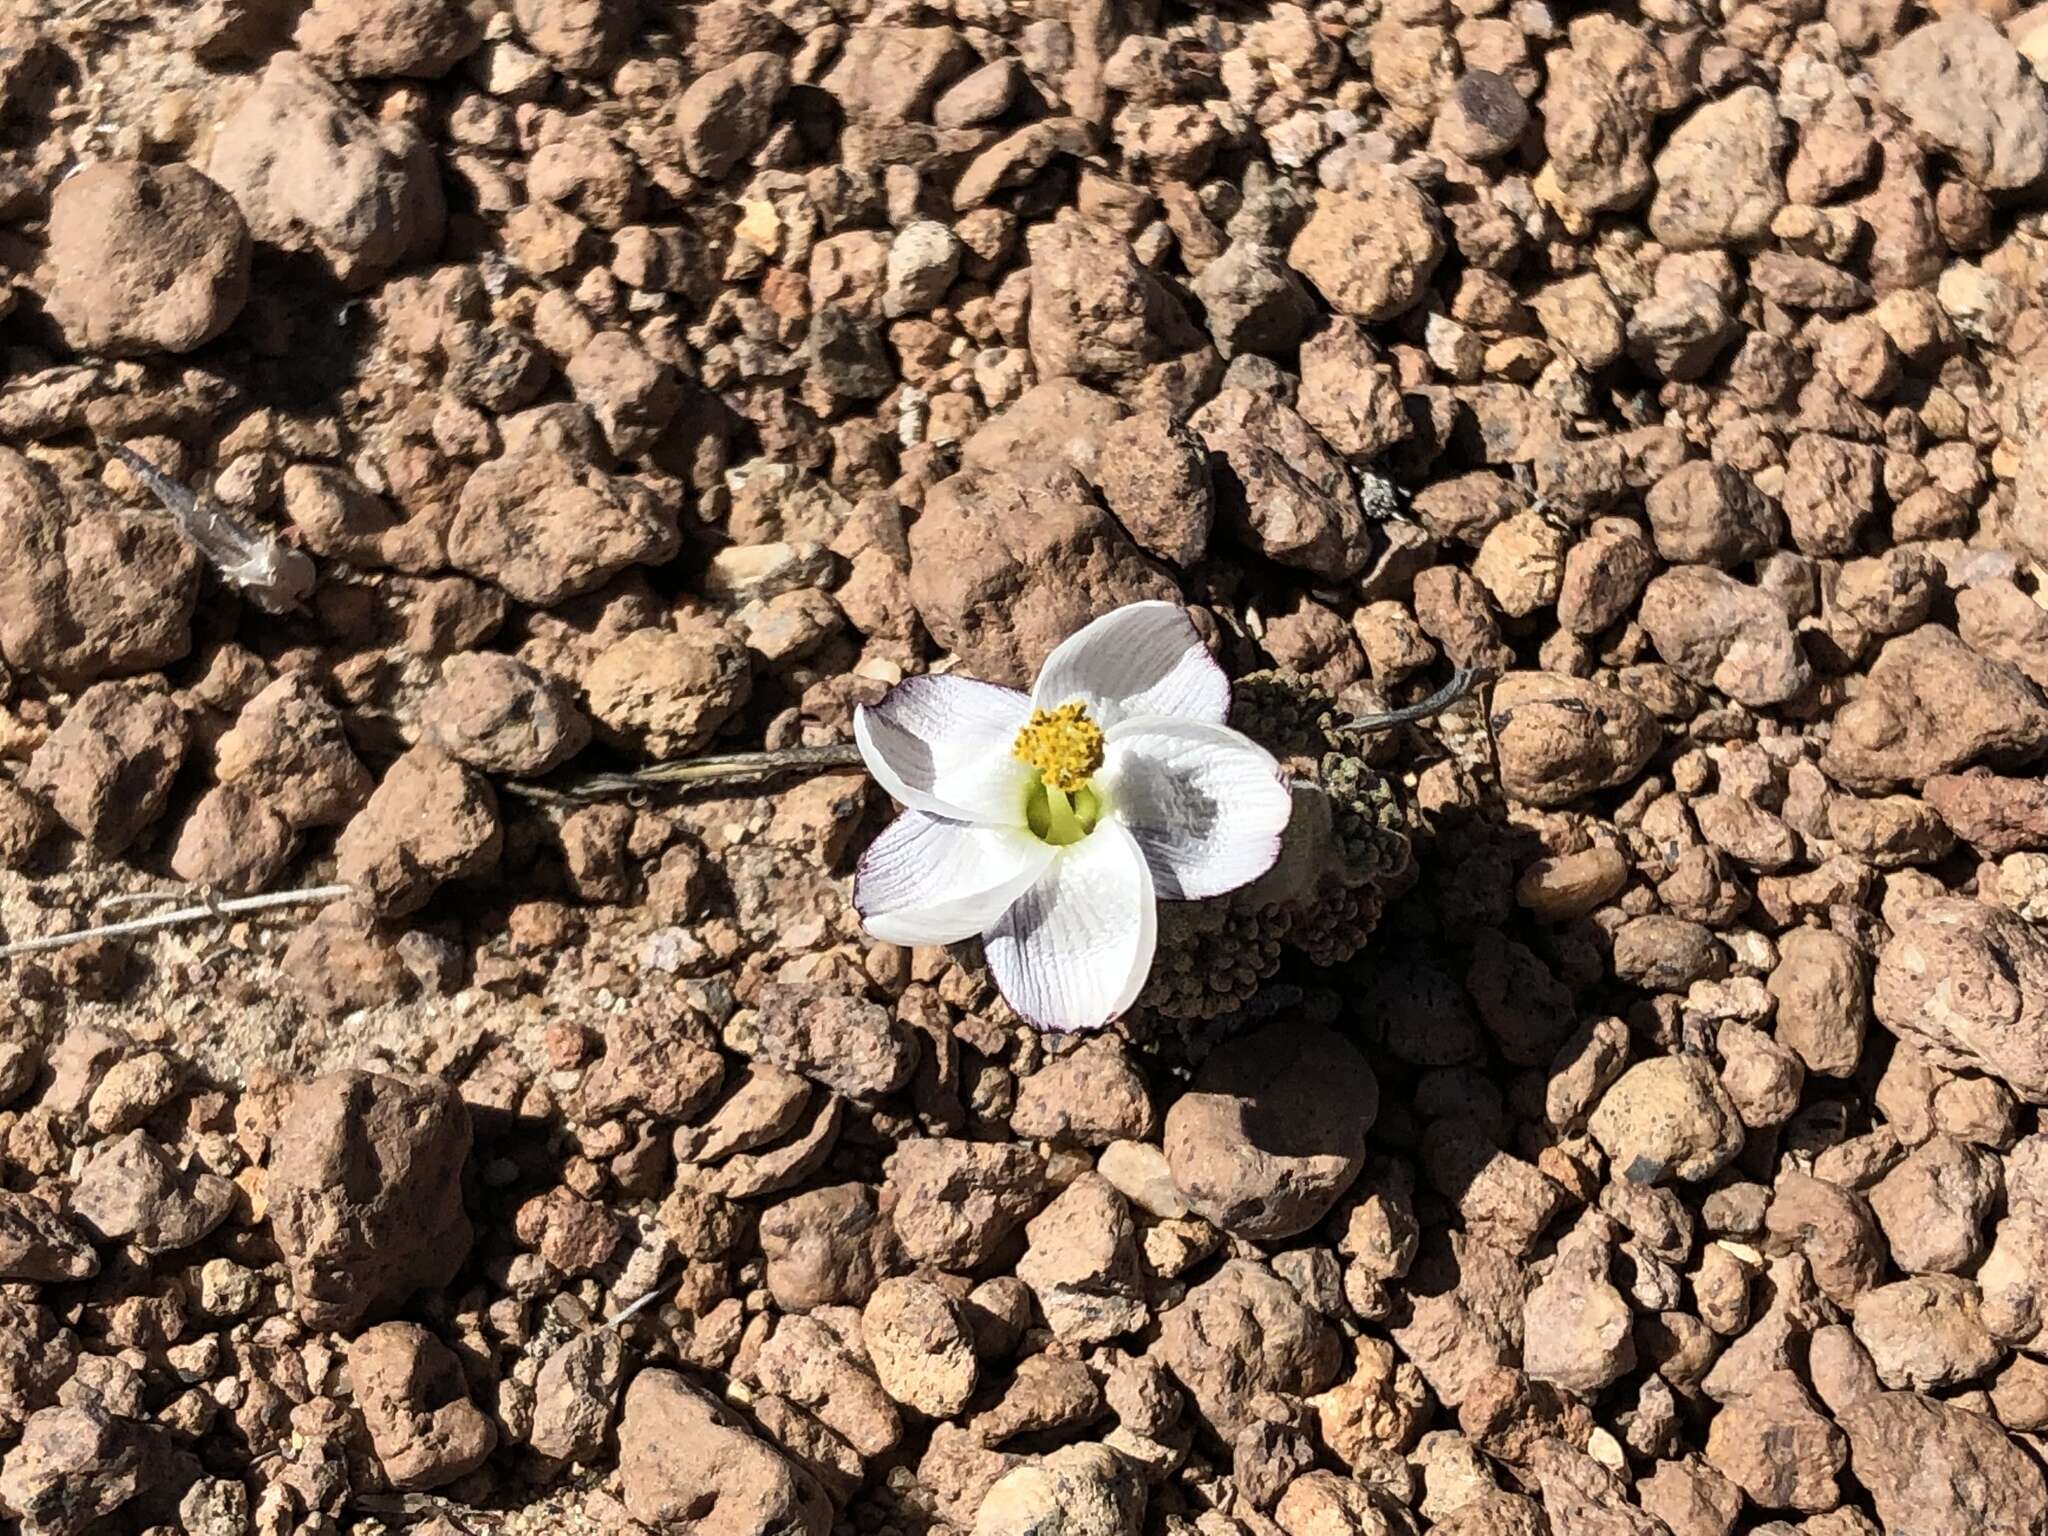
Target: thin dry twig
(1463,684)
(692,772)
(234,906)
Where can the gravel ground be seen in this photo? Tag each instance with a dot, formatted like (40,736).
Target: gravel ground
(1616,1116)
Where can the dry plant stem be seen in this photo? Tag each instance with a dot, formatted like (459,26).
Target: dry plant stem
(232,907)
(689,773)
(1463,684)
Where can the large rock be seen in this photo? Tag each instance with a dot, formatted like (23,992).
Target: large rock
(1004,566)
(145,258)
(1720,633)
(1778,1447)
(1995,814)
(891,74)
(38,1244)
(410,1390)
(1717,175)
(366,1193)
(1667,1117)
(1241,1333)
(1968,983)
(1933,1466)
(430,821)
(1929,706)
(546,519)
(290,749)
(575,1396)
(1285,491)
(88,593)
(1082,1264)
(1601,100)
(954,1202)
(1370,248)
(415,39)
(1099,315)
(921,1344)
(1060,421)
(726,112)
(1078,1490)
(78,1465)
(1273,1130)
(107,770)
(1967,92)
(689,1468)
(1926,1332)
(1562,737)
(1464,1299)
(312,172)
(665,692)
(132,1192)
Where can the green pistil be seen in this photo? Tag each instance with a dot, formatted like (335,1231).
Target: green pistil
(1059,818)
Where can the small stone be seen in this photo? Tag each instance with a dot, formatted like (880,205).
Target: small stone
(1557,890)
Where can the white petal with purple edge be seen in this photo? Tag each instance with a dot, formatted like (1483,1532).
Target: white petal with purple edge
(927,880)
(943,745)
(1206,804)
(1141,659)
(1075,949)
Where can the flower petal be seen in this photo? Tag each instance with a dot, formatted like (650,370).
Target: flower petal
(1141,659)
(1207,804)
(927,880)
(1075,950)
(943,745)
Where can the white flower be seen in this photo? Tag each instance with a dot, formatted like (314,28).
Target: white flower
(1051,823)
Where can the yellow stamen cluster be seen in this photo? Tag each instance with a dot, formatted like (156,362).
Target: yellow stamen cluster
(1063,744)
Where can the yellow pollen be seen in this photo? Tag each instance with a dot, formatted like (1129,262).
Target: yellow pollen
(1063,744)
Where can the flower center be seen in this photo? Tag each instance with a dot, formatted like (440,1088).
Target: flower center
(1065,746)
